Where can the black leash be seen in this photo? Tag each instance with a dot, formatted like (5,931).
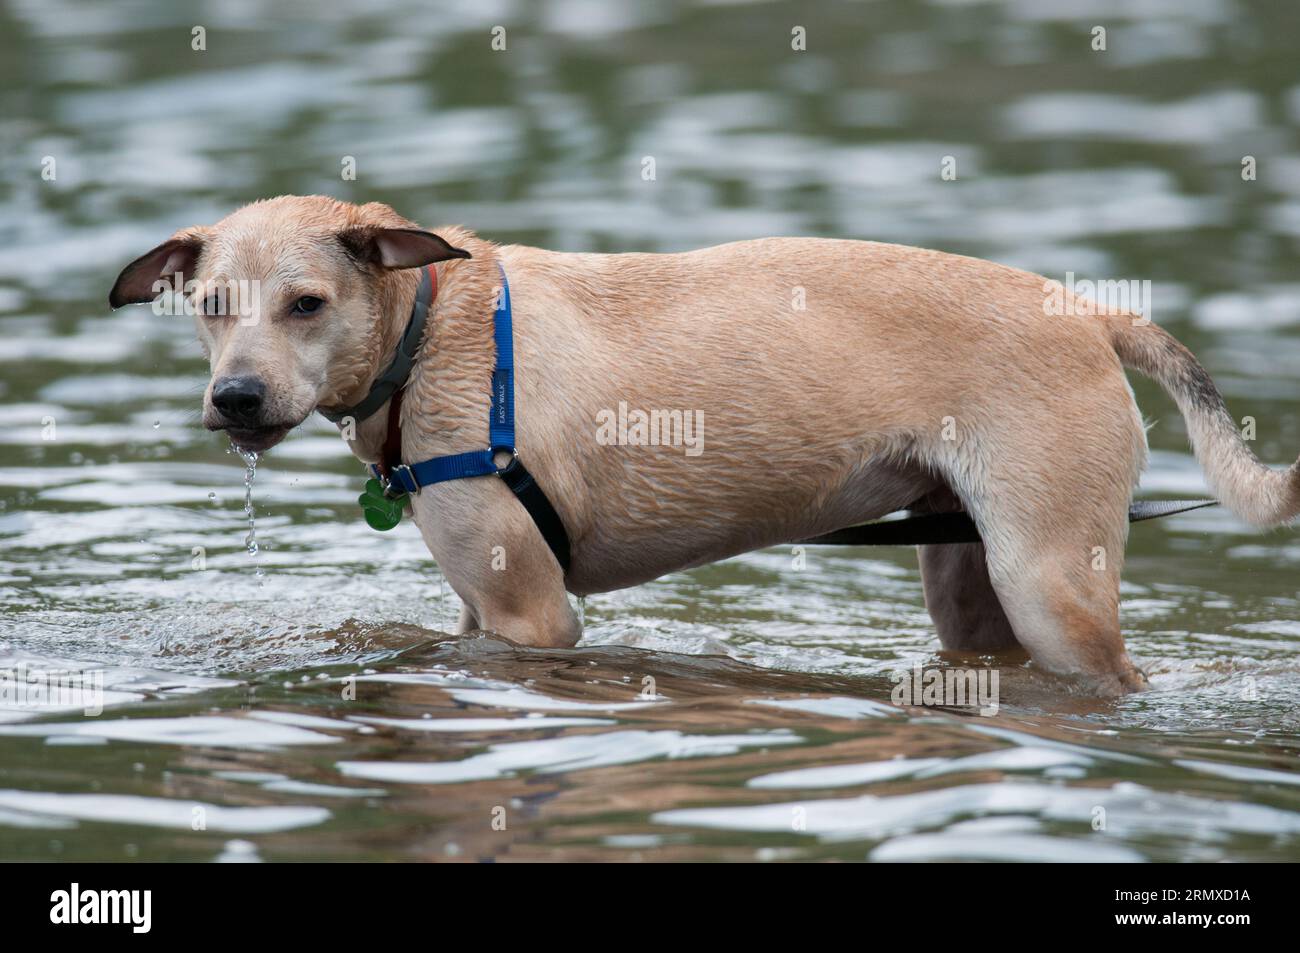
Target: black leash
(934,528)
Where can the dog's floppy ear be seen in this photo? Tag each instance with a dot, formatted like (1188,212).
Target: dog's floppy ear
(397,247)
(138,281)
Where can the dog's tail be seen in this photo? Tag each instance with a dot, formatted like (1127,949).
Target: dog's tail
(1257,493)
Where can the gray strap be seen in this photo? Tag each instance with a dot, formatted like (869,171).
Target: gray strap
(395,376)
(930,529)
(1141,510)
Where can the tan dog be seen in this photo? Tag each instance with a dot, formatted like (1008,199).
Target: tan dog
(909,377)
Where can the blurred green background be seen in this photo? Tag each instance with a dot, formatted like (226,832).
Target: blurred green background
(1122,163)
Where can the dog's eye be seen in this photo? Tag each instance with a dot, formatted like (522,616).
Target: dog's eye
(307,304)
(212,306)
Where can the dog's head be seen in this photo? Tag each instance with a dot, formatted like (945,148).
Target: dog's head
(288,295)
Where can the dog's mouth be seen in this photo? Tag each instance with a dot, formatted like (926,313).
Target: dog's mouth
(257,439)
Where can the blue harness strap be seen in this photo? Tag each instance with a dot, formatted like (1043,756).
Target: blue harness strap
(501,425)
(501,439)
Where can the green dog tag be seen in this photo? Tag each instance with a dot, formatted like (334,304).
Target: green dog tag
(380,512)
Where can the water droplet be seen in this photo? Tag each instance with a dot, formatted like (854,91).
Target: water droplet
(250,458)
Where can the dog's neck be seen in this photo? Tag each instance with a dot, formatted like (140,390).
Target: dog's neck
(446,397)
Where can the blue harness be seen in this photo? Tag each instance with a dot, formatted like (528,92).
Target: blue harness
(405,478)
(501,420)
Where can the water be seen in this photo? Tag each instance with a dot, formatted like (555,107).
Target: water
(250,458)
(304,702)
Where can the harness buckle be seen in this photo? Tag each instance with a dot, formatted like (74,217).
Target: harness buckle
(394,490)
(503,448)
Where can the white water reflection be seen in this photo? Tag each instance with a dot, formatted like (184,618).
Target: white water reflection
(196,731)
(159,812)
(1130,809)
(570,753)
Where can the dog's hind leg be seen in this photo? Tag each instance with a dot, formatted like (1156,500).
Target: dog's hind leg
(1062,599)
(1056,575)
(958,594)
(1050,497)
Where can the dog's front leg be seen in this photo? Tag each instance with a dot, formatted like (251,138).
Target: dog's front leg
(466,622)
(487,546)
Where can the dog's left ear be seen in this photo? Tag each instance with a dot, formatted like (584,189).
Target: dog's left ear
(397,247)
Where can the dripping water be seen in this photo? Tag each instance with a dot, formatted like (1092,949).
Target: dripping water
(250,458)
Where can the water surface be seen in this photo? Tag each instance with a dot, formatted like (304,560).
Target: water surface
(305,703)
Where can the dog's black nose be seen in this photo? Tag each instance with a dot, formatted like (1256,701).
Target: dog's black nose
(239,399)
